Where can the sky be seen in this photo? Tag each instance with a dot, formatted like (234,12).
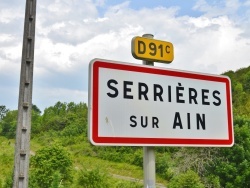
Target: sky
(209,36)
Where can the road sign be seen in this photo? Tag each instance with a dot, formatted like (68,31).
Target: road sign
(152,50)
(138,105)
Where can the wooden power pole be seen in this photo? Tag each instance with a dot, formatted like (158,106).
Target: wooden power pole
(22,146)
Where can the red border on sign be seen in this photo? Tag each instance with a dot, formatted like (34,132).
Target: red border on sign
(155,141)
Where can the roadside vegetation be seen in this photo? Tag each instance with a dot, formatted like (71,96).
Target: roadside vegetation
(62,156)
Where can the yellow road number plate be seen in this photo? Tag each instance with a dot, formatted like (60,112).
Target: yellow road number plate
(152,50)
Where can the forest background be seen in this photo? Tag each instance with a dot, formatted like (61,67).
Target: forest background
(62,156)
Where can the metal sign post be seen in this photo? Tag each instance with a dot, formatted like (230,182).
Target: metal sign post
(22,147)
(148,152)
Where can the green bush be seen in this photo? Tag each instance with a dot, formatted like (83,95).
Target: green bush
(49,164)
(8,182)
(137,158)
(162,165)
(186,180)
(92,179)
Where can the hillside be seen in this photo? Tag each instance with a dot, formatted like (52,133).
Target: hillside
(63,157)
(240,81)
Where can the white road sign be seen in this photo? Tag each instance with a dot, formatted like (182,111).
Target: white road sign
(140,105)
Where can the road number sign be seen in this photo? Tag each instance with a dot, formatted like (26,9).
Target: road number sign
(152,50)
(138,105)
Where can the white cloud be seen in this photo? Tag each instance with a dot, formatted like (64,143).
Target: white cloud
(6,38)
(50,96)
(217,8)
(247,3)
(8,15)
(71,33)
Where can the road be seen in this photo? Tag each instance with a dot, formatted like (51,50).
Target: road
(158,185)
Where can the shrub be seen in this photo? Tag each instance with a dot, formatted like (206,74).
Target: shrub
(186,180)
(92,179)
(49,164)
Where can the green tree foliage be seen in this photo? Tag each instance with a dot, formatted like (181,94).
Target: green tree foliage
(232,164)
(197,160)
(8,124)
(3,111)
(36,109)
(50,166)
(35,120)
(70,119)
(162,165)
(240,81)
(182,167)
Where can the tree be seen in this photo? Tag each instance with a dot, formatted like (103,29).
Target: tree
(240,82)
(36,126)
(61,116)
(3,111)
(196,159)
(231,165)
(36,109)
(8,124)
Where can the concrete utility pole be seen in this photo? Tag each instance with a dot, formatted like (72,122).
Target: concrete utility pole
(22,147)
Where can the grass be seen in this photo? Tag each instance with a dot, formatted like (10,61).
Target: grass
(6,159)
(83,158)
